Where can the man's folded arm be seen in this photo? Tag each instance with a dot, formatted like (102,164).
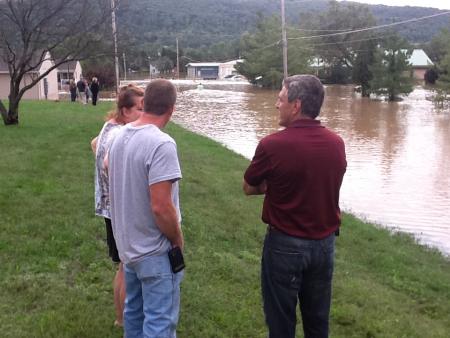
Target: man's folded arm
(165,213)
(254,190)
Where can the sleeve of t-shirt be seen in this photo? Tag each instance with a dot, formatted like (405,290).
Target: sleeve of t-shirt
(259,168)
(164,165)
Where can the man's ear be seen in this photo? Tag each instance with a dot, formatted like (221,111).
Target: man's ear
(170,112)
(298,106)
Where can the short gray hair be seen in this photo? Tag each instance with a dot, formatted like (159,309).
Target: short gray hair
(160,96)
(309,90)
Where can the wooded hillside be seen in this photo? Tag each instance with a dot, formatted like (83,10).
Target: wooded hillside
(200,23)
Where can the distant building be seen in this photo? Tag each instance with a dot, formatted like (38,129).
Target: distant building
(318,66)
(212,70)
(48,84)
(154,71)
(203,70)
(67,71)
(227,69)
(420,63)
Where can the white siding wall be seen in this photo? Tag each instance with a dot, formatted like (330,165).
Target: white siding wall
(226,69)
(32,93)
(77,72)
(52,79)
(191,73)
(4,86)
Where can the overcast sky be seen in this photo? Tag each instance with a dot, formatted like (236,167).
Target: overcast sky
(441,4)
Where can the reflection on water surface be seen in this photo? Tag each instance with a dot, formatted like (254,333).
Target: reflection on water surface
(398,153)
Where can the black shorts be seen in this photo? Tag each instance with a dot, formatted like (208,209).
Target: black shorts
(113,253)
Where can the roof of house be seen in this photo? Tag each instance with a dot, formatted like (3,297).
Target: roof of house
(68,66)
(419,58)
(36,58)
(233,62)
(203,64)
(4,68)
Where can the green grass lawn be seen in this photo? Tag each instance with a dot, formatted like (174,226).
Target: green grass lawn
(56,278)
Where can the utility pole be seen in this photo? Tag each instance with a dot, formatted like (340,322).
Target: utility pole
(114,32)
(149,67)
(124,67)
(178,62)
(284,40)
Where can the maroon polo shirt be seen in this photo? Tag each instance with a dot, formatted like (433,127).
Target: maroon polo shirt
(303,166)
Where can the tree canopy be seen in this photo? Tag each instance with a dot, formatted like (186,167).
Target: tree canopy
(391,69)
(443,67)
(262,53)
(31,30)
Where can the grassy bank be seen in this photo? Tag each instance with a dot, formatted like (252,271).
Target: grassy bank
(56,278)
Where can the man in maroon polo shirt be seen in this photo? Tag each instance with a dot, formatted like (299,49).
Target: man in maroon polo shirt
(300,171)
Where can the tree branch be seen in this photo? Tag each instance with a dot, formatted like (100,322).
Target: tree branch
(32,28)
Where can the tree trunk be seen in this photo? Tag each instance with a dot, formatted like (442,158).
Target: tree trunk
(11,117)
(392,95)
(365,91)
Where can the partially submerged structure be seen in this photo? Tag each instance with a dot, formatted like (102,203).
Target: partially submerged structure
(420,63)
(211,70)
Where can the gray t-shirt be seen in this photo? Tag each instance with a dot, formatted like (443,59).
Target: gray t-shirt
(139,157)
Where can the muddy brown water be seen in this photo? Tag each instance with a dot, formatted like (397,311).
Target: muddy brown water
(398,153)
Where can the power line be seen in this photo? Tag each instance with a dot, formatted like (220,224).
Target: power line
(268,46)
(350,41)
(187,57)
(371,28)
(323,44)
(321,30)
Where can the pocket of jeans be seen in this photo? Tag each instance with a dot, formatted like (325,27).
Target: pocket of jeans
(284,267)
(154,267)
(328,246)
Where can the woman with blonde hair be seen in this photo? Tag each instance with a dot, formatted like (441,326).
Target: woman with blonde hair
(129,108)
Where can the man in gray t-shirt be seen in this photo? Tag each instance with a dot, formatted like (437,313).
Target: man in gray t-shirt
(144,173)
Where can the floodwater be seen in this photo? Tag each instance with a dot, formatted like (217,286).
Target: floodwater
(398,153)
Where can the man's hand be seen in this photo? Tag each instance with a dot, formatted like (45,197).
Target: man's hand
(165,213)
(254,190)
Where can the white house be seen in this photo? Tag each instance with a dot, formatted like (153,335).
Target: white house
(67,71)
(420,63)
(48,85)
(228,68)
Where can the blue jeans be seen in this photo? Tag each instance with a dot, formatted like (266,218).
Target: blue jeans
(153,298)
(297,269)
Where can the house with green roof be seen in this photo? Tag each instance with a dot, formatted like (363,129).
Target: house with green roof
(420,63)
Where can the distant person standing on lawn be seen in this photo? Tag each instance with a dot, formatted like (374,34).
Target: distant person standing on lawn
(95,87)
(81,86)
(144,174)
(88,90)
(300,170)
(129,108)
(73,90)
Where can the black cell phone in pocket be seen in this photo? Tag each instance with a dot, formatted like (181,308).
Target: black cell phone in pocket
(176,259)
